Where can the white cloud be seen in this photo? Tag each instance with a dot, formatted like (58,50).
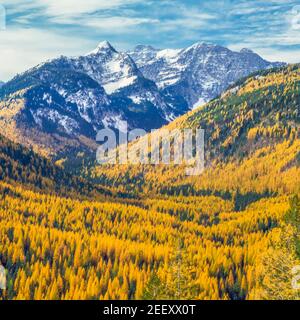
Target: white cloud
(68,8)
(117,24)
(24,48)
(58,10)
(295,18)
(270,54)
(290,56)
(21,49)
(190,19)
(283,31)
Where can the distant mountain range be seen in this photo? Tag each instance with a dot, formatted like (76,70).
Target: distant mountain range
(198,73)
(62,103)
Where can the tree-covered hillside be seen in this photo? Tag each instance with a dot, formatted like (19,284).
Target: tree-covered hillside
(251,143)
(21,166)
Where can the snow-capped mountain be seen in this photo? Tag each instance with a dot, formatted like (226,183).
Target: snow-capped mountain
(198,73)
(73,97)
(120,92)
(120,77)
(77,96)
(1,83)
(113,70)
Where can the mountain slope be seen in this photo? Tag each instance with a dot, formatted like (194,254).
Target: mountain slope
(198,73)
(251,143)
(117,73)
(22,167)
(58,106)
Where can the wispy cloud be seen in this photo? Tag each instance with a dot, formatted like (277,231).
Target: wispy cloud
(67,8)
(115,24)
(188,18)
(295,18)
(76,27)
(21,49)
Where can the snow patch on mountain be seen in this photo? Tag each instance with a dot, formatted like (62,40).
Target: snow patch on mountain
(199,103)
(41,115)
(113,86)
(136,99)
(47,97)
(170,55)
(115,122)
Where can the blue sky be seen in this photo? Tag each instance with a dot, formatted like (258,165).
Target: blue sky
(37,30)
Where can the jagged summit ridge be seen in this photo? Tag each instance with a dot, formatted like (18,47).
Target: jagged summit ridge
(199,72)
(102,46)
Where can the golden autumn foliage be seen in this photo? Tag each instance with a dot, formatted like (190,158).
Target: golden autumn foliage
(152,232)
(58,248)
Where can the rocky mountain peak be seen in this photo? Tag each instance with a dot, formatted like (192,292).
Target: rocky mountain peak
(103,46)
(246,50)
